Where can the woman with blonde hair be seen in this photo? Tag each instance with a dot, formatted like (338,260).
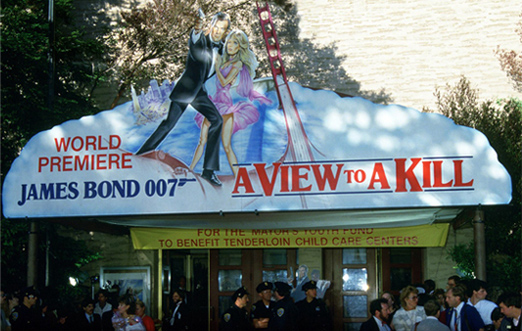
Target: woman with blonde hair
(235,68)
(147,321)
(410,312)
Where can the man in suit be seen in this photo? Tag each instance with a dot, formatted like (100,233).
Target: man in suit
(509,304)
(180,318)
(460,316)
(302,278)
(182,286)
(431,323)
(190,90)
(86,319)
(380,311)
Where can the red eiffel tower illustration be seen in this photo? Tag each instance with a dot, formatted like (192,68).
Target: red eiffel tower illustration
(299,148)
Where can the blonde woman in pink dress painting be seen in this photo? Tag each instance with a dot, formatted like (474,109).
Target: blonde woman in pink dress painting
(235,69)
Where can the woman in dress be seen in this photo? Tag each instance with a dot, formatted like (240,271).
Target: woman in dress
(122,320)
(409,313)
(236,67)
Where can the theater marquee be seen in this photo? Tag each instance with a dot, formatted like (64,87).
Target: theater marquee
(337,154)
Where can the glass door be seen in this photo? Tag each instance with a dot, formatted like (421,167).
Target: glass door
(401,267)
(229,269)
(233,268)
(354,282)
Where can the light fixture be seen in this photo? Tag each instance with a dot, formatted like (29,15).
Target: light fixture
(73,281)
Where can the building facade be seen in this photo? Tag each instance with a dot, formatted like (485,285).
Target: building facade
(392,52)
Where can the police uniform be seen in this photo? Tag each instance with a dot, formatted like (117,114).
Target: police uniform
(24,318)
(259,310)
(284,311)
(313,315)
(236,318)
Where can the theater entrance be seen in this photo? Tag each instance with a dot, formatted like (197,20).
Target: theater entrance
(357,276)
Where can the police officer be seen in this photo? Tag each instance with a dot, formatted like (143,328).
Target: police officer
(284,311)
(262,310)
(24,316)
(236,317)
(313,314)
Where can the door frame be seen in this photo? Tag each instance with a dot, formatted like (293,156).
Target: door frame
(333,266)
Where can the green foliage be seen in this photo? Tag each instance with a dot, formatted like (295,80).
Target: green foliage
(26,110)
(501,123)
(25,49)
(14,237)
(151,40)
(464,256)
(66,256)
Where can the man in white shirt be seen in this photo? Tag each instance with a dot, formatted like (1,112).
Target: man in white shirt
(478,300)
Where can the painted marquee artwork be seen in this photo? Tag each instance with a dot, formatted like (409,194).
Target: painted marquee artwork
(244,144)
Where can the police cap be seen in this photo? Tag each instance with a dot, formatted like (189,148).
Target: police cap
(264,286)
(239,293)
(30,291)
(282,288)
(309,285)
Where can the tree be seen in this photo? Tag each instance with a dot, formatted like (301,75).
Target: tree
(25,112)
(66,257)
(25,48)
(511,62)
(501,122)
(151,41)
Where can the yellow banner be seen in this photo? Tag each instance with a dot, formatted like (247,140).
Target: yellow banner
(415,236)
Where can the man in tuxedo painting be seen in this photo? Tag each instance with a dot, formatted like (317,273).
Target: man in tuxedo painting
(380,311)
(204,47)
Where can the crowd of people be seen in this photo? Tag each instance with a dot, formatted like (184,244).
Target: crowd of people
(462,306)
(280,314)
(28,310)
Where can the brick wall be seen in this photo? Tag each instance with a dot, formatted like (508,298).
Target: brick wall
(409,47)
(391,51)
(437,266)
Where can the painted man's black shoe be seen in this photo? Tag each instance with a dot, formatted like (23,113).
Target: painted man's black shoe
(211,177)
